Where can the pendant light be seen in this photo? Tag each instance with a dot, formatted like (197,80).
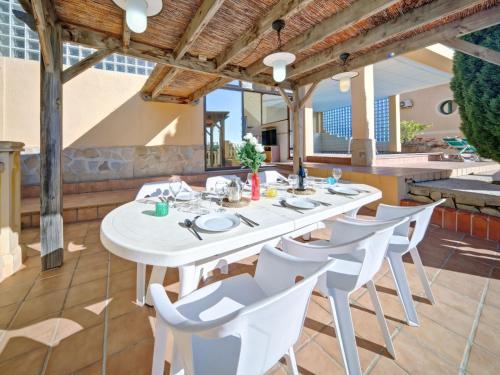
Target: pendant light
(138,11)
(279,60)
(344,78)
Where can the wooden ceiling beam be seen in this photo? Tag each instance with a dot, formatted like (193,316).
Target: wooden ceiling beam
(333,24)
(209,87)
(86,63)
(410,21)
(466,25)
(471,49)
(169,77)
(95,39)
(45,18)
(283,9)
(166,99)
(203,16)
(126,32)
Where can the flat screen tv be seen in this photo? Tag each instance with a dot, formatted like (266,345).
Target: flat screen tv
(269,137)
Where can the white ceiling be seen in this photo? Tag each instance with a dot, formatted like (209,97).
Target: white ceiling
(393,76)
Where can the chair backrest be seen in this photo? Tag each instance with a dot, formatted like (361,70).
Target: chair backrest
(253,339)
(269,177)
(211,181)
(155,189)
(420,215)
(366,242)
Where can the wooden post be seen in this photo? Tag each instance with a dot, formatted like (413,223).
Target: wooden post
(51,220)
(296,129)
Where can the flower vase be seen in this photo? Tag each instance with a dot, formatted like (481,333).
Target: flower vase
(255,186)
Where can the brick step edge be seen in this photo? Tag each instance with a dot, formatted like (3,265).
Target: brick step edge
(474,224)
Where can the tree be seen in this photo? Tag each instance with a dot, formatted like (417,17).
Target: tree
(410,129)
(476,89)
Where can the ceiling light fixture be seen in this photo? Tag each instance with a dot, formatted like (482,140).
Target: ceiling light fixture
(138,11)
(344,78)
(279,60)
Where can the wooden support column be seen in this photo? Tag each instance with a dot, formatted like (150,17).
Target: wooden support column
(394,124)
(51,219)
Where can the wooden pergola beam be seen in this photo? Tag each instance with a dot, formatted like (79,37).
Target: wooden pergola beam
(286,98)
(209,87)
(469,24)
(166,99)
(44,19)
(483,53)
(169,77)
(203,16)
(283,9)
(331,25)
(410,21)
(308,94)
(99,40)
(86,63)
(126,32)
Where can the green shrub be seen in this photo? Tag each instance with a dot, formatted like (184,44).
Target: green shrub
(476,89)
(410,129)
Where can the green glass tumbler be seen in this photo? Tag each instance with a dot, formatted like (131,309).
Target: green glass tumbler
(161,209)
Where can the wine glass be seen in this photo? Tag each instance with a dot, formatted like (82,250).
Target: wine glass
(336,174)
(293,180)
(220,190)
(175,188)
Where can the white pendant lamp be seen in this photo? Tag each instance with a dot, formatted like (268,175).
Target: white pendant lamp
(344,78)
(138,11)
(279,60)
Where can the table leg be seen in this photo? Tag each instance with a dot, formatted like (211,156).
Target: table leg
(189,277)
(140,284)
(157,277)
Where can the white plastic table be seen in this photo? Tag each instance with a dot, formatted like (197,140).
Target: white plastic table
(133,233)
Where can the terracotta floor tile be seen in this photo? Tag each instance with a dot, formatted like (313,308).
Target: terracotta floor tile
(490,315)
(84,274)
(465,284)
(76,351)
(94,259)
(316,320)
(408,350)
(488,338)
(136,359)
(83,293)
(492,298)
(387,366)
(93,369)
(123,302)
(24,276)
(120,264)
(494,285)
(312,359)
(50,284)
(278,369)
(88,314)
(7,313)
(30,363)
(482,362)
(391,306)
(39,307)
(430,334)
(14,294)
(447,316)
(122,280)
(138,328)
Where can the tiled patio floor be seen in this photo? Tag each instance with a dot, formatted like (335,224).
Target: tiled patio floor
(81,318)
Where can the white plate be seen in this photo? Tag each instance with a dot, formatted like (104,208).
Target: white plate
(343,190)
(184,196)
(302,203)
(217,222)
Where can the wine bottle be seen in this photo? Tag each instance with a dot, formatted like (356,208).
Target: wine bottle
(302,175)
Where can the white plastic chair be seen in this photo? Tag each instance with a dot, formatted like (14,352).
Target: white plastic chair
(155,189)
(211,181)
(358,251)
(242,325)
(401,243)
(269,177)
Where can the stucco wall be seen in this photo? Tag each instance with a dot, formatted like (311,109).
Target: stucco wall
(425,110)
(103,116)
(100,109)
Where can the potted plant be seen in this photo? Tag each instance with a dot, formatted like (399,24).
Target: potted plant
(250,154)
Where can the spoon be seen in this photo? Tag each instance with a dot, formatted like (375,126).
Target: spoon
(190,225)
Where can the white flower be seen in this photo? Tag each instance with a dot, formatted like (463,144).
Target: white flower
(242,144)
(253,141)
(259,148)
(248,136)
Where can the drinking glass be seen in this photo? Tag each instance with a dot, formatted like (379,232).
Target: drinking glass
(293,180)
(336,174)
(175,188)
(220,190)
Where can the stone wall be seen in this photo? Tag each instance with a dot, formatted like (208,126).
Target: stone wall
(108,163)
(472,202)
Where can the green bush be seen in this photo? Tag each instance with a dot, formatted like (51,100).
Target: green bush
(476,88)
(410,129)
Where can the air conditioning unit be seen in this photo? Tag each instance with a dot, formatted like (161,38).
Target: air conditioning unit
(406,103)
